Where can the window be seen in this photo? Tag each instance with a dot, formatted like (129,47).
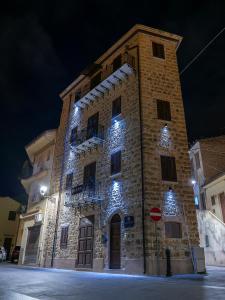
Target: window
(116,162)
(64,237)
(69,180)
(116,107)
(197,160)
(206,240)
(96,80)
(77,96)
(163,110)
(203,205)
(12,215)
(158,50)
(117,63)
(92,126)
(173,230)
(168,168)
(89,176)
(213,200)
(73,135)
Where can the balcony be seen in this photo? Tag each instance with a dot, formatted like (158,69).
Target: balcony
(83,196)
(110,77)
(87,139)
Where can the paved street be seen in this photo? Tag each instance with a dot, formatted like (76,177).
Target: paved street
(24,283)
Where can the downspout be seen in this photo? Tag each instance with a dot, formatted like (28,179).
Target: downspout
(60,191)
(142,159)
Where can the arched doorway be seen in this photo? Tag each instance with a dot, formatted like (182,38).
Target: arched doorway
(115,237)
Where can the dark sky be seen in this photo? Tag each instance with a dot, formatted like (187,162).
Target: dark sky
(44,45)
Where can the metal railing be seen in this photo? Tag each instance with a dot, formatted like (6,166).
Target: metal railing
(106,72)
(83,195)
(87,134)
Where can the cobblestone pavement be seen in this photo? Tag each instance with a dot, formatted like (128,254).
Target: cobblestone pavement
(24,283)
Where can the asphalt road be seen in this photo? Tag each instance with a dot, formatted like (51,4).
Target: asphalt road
(24,283)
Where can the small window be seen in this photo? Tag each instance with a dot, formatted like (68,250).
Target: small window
(213,200)
(69,180)
(73,135)
(116,107)
(202,197)
(117,63)
(163,110)
(168,168)
(12,215)
(64,237)
(206,240)
(116,163)
(96,80)
(173,230)
(158,50)
(197,160)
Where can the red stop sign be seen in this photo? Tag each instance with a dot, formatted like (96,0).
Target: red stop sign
(155,214)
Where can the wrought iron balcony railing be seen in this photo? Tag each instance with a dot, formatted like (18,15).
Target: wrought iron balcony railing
(87,138)
(110,77)
(84,195)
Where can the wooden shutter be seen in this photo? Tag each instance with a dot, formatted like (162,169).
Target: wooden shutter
(64,237)
(117,62)
(69,180)
(89,176)
(163,110)
(158,50)
(173,230)
(116,162)
(168,168)
(96,80)
(73,135)
(116,107)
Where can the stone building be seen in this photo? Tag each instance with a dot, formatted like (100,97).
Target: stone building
(121,150)
(33,223)
(9,222)
(208,167)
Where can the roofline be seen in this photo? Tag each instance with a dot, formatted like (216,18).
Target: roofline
(124,38)
(39,136)
(214,178)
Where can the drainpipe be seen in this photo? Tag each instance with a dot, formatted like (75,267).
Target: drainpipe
(60,191)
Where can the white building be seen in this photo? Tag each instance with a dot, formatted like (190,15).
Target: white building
(33,223)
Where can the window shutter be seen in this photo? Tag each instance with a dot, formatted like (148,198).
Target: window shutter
(116,162)
(158,50)
(64,237)
(168,168)
(116,107)
(163,110)
(73,135)
(173,230)
(69,180)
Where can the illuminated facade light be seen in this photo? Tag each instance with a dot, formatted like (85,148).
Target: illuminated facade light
(43,190)
(165,139)
(193,181)
(170,206)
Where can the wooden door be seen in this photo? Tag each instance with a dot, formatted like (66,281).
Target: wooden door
(222,203)
(32,245)
(115,236)
(85,243)
(92,126)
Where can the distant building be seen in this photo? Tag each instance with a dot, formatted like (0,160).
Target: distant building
(121,150)
(33,223)
(9,222)
(208,177)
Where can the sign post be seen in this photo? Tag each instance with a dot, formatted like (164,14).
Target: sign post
(156,215)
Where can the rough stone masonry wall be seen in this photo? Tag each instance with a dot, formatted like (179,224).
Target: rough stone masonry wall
(160,80)
(122,196)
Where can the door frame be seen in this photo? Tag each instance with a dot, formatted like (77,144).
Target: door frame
(92,219)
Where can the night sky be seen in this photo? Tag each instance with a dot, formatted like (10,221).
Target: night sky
(45,44)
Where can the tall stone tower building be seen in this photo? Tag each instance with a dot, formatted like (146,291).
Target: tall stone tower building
(121,150)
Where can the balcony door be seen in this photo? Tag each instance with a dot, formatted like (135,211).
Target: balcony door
(89,177)
(92,126)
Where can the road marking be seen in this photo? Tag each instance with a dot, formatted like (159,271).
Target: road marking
(214,287)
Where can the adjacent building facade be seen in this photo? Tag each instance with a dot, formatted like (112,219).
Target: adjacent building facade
(33,223)
(208,167)
(9,222)
(121,149)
